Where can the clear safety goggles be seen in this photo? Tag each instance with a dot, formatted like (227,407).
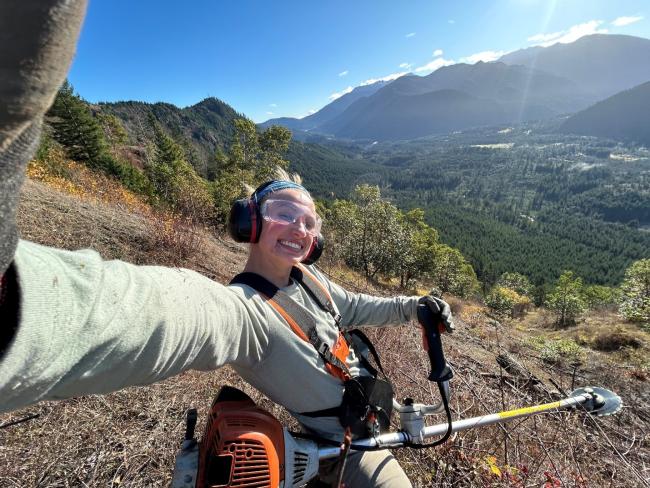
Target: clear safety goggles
(287,212)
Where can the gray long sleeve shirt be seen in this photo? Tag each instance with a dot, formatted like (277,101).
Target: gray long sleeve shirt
(93,326)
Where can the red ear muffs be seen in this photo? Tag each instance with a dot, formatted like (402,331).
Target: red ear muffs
(245,223)
(317,246)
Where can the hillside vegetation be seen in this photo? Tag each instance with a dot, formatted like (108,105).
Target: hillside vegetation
(129,438)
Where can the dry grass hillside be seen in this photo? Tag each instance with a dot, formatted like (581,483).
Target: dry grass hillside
(129,438)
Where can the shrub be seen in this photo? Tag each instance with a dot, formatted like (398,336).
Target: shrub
(614,340)
(507,302)
(598,297)
(635,293)
(558,351)
(517,282)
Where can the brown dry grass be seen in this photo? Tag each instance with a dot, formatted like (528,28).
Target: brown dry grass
(129,438)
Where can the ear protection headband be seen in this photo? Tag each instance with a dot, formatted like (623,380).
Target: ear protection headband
(245,220)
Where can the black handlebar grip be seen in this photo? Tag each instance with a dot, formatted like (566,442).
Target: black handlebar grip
(431,331)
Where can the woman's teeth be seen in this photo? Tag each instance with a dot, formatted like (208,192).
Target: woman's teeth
(290,244)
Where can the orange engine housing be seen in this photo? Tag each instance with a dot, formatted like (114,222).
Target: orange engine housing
(243,445)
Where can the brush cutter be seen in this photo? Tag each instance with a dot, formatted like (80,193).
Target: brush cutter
(245,446)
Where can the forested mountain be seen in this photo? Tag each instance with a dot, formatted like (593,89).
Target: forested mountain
(201,129)
(329,111)
(624,116)
(601,64)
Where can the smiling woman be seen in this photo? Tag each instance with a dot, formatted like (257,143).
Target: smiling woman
(279,219)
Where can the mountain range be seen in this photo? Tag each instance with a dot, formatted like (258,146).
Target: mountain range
(530,84)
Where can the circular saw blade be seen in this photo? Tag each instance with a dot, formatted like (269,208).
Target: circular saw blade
(611,403)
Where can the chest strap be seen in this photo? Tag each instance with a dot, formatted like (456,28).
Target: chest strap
(301,322)
(316,289)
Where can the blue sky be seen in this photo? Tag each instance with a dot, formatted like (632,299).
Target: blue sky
(272,58)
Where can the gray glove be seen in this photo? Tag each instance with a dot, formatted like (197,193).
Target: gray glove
(37,41)
(440,308)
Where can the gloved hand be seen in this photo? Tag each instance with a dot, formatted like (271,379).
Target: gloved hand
(440,308)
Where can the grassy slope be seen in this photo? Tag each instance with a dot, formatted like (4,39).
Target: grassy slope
(129,438)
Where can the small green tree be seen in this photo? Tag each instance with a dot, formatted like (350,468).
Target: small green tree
(377,247)
(566,299)
(635,290)
(419,252)
(451,273)
(372,235)
(516,282)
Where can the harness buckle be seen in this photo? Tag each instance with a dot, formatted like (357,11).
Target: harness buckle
(323,348)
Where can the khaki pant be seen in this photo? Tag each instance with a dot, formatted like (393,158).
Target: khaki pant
(371,469)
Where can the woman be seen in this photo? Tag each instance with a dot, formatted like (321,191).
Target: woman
(291,372)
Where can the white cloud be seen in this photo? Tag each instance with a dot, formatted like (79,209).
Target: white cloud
(622,21)
(485,56)
(405,65)
(410,34)
(451,21)
(434,65)
(269,113)
(545,37)
(437,52)
(572,34)
(334,96)
(343,73)
(273,104)
(390,77)
(312,111)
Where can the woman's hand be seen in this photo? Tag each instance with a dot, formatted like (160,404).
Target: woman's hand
(441,309)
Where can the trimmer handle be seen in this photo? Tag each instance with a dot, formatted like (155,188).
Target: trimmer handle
(432,328)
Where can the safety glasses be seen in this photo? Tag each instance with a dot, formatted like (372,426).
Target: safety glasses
(287,212)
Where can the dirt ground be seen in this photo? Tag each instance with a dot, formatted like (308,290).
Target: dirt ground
(129,438)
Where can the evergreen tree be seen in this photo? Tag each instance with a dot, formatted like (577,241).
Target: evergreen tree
(175,181)
(82,137)
(76,129)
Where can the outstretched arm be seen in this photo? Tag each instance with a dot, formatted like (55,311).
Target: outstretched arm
(94,326)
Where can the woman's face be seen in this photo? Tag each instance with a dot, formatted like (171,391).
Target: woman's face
(287,244)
